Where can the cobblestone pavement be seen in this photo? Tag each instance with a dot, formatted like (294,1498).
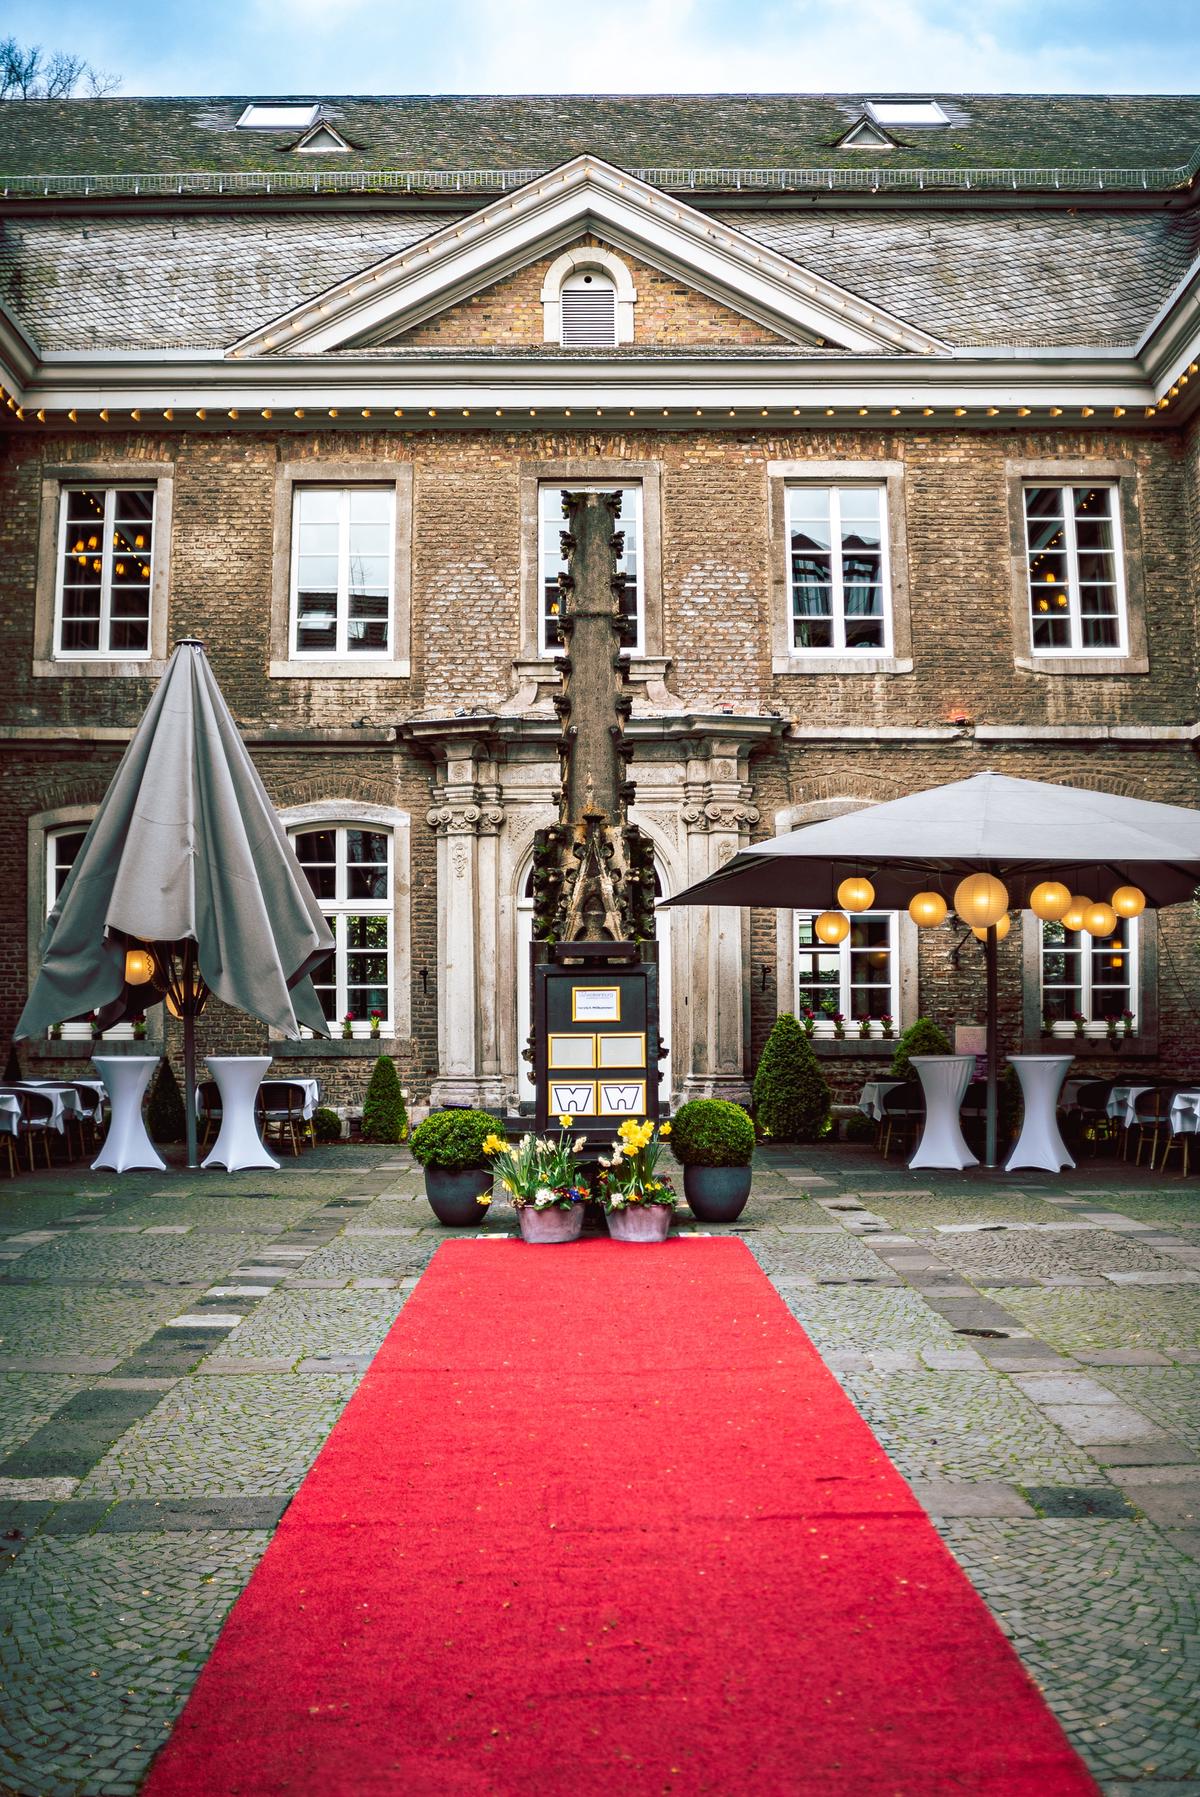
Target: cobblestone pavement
(174,1351)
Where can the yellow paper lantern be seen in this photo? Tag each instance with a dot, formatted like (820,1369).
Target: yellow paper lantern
(139,966)
(927,909)
(1050,901)
(856,894)
(1128,901)
(1002,928)
(980,899)
(832,927)
(1100,919)
(1072,918)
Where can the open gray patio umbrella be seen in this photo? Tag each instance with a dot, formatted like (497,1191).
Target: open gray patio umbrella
(187,858)
(1022,832)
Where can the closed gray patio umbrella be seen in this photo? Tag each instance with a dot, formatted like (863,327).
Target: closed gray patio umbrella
(187,855)
(1020,831)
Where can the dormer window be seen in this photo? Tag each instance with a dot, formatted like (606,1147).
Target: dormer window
(866,135)
(589,312)
(908,115)
(322,139)
(272,115)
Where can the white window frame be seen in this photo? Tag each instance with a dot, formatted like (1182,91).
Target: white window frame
(824,1029)
(839,648)
(342,906)
(1087,947)
(549,560)
(341,652)
(1077,648)
(110,489)
(82,1031)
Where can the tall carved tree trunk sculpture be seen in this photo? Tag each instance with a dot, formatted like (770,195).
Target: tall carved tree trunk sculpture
(593,870)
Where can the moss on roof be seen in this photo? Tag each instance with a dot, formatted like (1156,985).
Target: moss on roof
(489,132)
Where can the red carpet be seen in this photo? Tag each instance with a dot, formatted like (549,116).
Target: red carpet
(599,1521)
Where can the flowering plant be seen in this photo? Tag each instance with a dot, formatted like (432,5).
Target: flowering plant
(376,1020)
(1127,1022)
(1079,1021)
(889,1025)
(348,1024)
(629,1176)
(810,1022)
(540,1171)
(864,1027)
(839,1025)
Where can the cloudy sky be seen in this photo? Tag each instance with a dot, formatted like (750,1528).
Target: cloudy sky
(630,46)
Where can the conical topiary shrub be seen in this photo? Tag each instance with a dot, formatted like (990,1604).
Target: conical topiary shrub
(791,1097)
(921,1037)
(384,1117)
(166,1120)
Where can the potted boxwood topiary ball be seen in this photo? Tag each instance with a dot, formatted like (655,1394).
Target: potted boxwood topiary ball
(458,1176)
(714,1141)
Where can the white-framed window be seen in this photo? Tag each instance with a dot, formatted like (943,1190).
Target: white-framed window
(1090,977)
(552,562)
(349,868)
(343,571)
(858,978)
(62,847)
(105,572)
(1075,567)
(588,310)
(838,573)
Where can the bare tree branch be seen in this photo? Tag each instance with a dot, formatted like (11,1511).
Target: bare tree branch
(28,73)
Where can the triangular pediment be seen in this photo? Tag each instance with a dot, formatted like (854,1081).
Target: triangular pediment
(865,134)
(381,303)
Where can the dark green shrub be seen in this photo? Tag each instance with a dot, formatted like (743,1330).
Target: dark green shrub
(791,1097)
(166,1120)
(921,1037)
(327,1125)
(858,1128)
(454,1140)
(711,1132)
(384,1117)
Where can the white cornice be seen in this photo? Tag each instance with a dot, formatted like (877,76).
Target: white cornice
(18,355)
(1169,349)
(585,193)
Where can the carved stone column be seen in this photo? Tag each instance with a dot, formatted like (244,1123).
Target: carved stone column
(466,818)
(717,816)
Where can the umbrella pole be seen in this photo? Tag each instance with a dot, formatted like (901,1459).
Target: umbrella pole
(189,1055)
(992,1055)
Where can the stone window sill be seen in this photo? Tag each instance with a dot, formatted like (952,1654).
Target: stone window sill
(1084,664)
(77,1049)
(874,1046)
(1142,1047)
(365,669)
(842,664)
(334,1047)
(100,669)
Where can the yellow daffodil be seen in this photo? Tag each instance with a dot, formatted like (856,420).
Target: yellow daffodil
(664,1129)
(494,1144)
(485,1197)
(565,1121)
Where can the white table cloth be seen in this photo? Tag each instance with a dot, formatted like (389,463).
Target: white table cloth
(944,1079)
(1185,1113)
(870,1101)
(10,1113)
(1121,1101)
(65,1099)
(238,1142)
(1039,1143)
(125,1080)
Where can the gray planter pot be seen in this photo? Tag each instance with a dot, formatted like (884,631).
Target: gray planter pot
(716,1194)
(454,1197)
(640,1223)
(543,1227)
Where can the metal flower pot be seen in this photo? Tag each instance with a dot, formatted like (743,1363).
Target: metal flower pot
(550,1225)
(454,1197)
(716,1194)
(640,1223)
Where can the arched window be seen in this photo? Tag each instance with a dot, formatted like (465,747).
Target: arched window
(589,311)
(62,847)
(588,298)
(350,871)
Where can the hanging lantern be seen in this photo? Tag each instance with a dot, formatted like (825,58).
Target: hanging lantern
(139,966)
(1100,919)
(856,894)
(1073,916)
(832,927)
(1050,901)
(980,899)
(1003,926)
(1128,901)
(927,909)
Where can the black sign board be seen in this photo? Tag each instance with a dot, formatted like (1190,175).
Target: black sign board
(595,1040)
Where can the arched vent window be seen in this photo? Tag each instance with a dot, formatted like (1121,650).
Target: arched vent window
(589,312)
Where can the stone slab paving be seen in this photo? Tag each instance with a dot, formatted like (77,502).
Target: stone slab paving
(173,1352)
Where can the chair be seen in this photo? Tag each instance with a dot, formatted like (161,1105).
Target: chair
(8,1145)
(1151,1116)
(36,1122)
(91,1103)
(1177,1138)
(1088,1110)
(902,1109)
(282,1103)
(208,1110)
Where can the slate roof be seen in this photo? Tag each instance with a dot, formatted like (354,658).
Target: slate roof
(119,136)
(200,281)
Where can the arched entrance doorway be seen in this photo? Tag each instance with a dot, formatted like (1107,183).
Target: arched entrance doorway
(525,1091)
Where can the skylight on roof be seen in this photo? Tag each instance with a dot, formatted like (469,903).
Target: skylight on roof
(913,113)
(266,115)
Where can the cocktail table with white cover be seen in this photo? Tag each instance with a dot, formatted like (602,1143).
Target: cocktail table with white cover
(10,1113)
(1185,1113)
(870,1101)
(944,1079)
(1121,1102)
(127,1145)
(1039,1143)
(238,1142)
